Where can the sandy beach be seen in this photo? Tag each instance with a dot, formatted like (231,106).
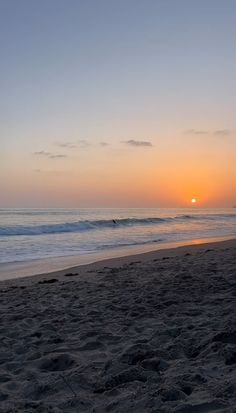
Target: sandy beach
(155,332)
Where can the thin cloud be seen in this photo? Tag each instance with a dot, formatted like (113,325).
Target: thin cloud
(197,132)
(222,132)
(42,153)
(133,142)
(69,145)
(219,132)
(104,144)
(82,143)
(50,154)
(55,156)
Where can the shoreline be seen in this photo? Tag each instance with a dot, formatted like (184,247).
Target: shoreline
(38,267)
(172,249)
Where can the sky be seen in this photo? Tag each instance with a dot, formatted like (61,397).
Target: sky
(123,103)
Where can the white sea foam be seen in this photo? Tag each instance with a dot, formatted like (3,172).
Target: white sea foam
(39,233)
(86,225)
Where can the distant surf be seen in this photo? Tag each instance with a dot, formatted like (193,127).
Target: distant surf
(86,225)
(27,234)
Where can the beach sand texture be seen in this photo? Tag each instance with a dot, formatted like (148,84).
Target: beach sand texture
(150,333)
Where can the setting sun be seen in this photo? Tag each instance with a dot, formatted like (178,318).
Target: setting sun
(193,200)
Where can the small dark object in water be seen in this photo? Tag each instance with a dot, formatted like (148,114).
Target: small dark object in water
(114,221)
(71,274)
(50,281)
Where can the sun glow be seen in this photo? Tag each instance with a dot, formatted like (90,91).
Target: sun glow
(193,200)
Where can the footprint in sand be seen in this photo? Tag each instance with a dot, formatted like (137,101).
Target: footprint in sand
(56,362)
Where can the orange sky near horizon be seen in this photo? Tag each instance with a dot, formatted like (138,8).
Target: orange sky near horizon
(122,176)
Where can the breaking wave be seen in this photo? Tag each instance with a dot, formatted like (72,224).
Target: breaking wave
(86,225)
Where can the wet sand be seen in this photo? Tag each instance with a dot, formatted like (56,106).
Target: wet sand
(155,332)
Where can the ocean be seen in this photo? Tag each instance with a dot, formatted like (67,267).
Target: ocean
(29,234)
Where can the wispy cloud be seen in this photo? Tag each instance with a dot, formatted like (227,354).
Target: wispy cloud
(55,156)
(196,132)
(104,144)
(82,143)
(133,142)
(50,154)
(69,145)
(218,132)
(222,132)
(42,153)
